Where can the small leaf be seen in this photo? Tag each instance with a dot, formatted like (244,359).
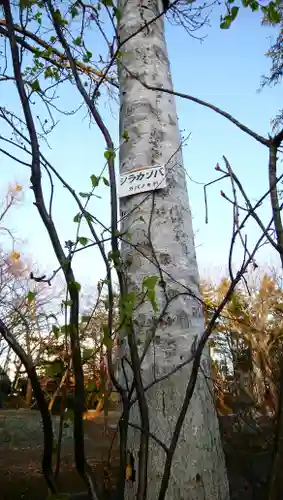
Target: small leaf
(234,13)
(67,302)
(35,86)
(94,180)
(48,73)
(85,195)
(82,240)
(107,341)
(74,11)
(56,331)
(117,13)
(77,217)
(254,6)
(74,285)
(87,57)
(55,369)
(107,3)
(57,16)
(127,306)
(125,135)
(31,296)
(66,328)
(109,154)
(78,41)
(149,283)
(273,15)
(88,216)
(87,354)
(226,23)
(106,182)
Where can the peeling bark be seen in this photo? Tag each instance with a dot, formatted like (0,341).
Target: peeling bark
(162,238)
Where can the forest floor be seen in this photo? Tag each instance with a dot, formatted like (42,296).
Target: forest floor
(248,456)
(21,451)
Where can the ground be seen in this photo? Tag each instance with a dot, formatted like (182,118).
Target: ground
(21,449)
(248,456)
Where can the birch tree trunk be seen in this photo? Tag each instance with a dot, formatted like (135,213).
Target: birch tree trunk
(160,227)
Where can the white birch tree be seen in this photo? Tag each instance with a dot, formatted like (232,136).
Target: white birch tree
(162,244)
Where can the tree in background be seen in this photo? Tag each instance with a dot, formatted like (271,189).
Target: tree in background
(247,343)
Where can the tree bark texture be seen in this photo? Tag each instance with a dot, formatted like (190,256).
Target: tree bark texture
(160,230)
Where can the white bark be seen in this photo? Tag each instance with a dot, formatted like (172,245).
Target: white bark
(198,470)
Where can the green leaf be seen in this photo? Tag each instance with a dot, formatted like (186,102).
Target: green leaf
(109,154)
(94,180)
(117,13)
(35,86)
(74,285)
(48,73)
(88,216)
(226,23)
(87,57)
(56,330)
(74,11)
(31,296)
(272,13)
(85,195)
(37,17)
(106,182)
(83,240)
(254,6)
(78,41)
(107,3)
(58,18)
(67,303)
(107,341)
(119,54)
(87,354)
(55,369)
(56,74)
(114,257)
(77,217)
(234,13)
(125,135)
(66,329)
(150,283)
(128,303)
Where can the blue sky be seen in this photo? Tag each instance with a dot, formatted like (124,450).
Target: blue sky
(225,70)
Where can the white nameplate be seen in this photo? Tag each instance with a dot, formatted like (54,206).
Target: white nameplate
(142,180)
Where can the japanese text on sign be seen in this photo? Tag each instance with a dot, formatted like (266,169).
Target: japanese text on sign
(142,180)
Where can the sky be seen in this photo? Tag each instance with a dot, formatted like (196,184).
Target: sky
(225,69)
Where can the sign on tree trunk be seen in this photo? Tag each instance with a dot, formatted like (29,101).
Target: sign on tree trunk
(142,180)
